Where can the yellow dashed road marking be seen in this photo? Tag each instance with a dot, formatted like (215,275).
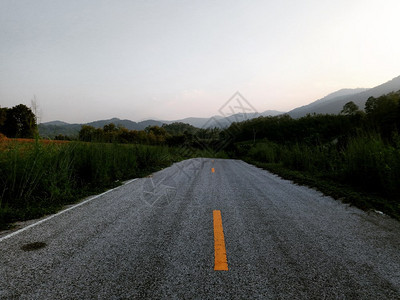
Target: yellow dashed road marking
(221,263)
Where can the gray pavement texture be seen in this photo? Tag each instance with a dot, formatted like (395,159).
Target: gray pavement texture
(153,239)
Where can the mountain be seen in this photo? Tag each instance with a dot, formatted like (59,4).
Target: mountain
(333,103)
(54,128)
(57,123)
(126,123)
(222,122)
(319,106)
(341,93)
(196,122)
(271,113)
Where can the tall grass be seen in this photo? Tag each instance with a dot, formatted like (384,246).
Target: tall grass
(37,178)
(371,163)
(366,162)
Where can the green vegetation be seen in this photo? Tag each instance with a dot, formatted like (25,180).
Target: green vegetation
(175,134)
(39,178)
(365,173)
(17,122)
(354,156)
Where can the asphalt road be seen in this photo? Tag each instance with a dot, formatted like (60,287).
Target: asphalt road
(154,238)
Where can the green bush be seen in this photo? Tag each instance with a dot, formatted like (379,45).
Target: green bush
(38,178)
(366,161)
(264,152)
(371,163)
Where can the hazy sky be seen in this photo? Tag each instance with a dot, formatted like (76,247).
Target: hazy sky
(94,59)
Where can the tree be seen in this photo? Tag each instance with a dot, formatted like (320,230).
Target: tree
(110,127)
(109,133)
(3,116)
(156,134)
(382,112)
(86,133)
(20,122)
(178,128)
(349,109)
(371,105)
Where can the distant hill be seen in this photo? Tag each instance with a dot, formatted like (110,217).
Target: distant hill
(57,123)
(333,103)
(222,122)
(50,130)
(126,123)
(196,122)
(319,105)
(271,113)
(54,128)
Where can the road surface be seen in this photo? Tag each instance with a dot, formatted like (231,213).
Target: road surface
(156,238)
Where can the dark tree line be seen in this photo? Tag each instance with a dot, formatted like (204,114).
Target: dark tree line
(382,115)
(18,122)
(175,134)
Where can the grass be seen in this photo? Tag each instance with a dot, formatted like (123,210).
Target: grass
(345,193)
(38,178)
(363,170)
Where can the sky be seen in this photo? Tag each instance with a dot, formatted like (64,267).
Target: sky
(88,60)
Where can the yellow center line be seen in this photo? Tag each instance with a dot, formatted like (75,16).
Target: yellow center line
(221,263)
(212,170)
